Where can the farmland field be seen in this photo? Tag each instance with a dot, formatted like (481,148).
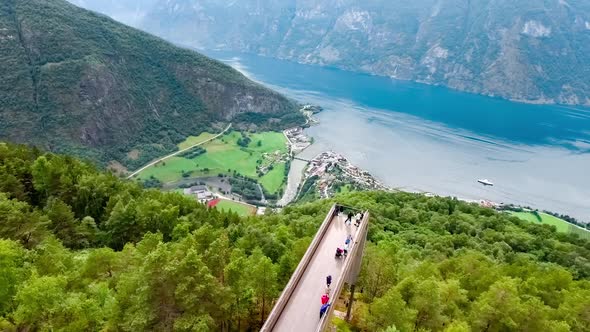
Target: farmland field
(225,156)
(239,208)
(192,140)
(273,180)
(560,224)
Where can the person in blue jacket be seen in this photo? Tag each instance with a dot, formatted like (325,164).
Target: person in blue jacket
(323,309)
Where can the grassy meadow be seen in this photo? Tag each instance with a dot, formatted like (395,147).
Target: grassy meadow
(192,140)
(237,207)
(560,224)
(225,156)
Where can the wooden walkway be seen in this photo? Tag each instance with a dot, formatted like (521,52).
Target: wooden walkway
(298,308)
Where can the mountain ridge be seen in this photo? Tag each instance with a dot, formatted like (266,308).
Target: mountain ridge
(79,82)
(493,47)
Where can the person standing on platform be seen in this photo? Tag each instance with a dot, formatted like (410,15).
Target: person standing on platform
(323,309)
(349,218)
(328,280)
(348,239)
(357,223)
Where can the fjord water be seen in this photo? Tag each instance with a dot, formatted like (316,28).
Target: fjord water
(425,138)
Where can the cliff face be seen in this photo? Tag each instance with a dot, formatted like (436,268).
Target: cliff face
(79,82)
(529,50)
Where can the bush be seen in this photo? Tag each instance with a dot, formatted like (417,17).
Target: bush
(193,153)
(246,187)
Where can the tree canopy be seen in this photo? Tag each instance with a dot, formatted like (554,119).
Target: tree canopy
(81,250)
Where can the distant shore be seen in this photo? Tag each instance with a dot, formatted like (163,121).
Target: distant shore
(429,139)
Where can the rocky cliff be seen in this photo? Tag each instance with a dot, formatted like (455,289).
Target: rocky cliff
(526,50)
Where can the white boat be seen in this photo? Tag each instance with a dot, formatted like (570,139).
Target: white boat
(485,182)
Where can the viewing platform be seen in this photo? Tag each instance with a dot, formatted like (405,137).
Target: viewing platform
(298,307)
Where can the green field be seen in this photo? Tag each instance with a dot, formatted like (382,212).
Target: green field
(192,140)
(560,224)
(273,180)
(239,208)
(225,156)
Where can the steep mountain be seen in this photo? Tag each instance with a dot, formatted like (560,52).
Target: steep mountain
(78,82)
(131,12)
(527,50)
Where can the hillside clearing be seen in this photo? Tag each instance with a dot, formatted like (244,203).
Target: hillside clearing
(237,207)
(193,140)
(560,224)
(225,156)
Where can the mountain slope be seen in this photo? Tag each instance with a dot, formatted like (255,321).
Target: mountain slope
(534,51)
(78,82)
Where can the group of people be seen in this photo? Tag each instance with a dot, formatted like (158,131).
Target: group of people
(344,251)
(357,219)
(326,297)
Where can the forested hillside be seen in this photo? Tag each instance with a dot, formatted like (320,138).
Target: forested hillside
(531,50)
(78,82)
(81,250)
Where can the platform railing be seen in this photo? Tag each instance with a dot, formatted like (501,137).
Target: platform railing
(352,262)
(279,306)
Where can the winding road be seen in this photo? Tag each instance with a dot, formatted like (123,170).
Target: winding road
(177,152)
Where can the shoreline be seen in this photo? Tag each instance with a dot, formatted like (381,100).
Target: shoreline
(305,170)
(526,174)
(297,142)
(541,100)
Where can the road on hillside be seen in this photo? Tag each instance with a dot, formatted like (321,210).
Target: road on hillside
(177,152)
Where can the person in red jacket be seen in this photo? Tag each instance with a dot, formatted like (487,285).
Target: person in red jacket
(325,299)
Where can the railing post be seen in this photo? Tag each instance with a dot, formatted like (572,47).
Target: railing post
(281,302)
(350,300)
(350,271)
(356,268)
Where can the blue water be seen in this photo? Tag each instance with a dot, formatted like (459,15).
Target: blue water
(486,116)
(427,138)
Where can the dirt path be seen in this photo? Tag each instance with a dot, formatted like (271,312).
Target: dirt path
(177,152)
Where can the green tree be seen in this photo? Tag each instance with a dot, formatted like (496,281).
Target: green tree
(123,226)
(238,280)
(264,278)
(499,308)
(575,309)
(378,272)
(217,256)
(101,264)
(37,301)
(458,326)
(12,273)
(63,223)
(391,309)
(18,222)
(427,301)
